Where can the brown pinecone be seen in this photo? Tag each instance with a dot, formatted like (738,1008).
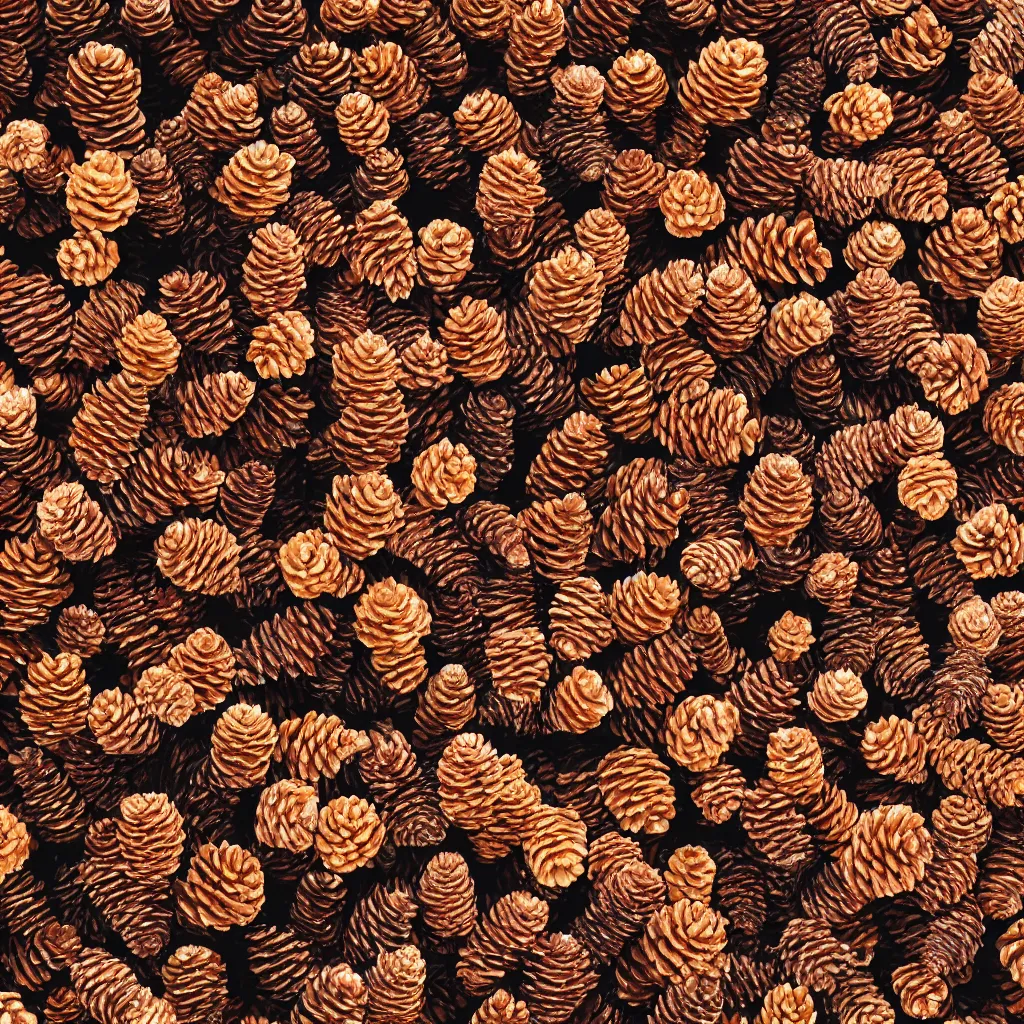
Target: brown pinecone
(643,606)
(686,937)
(363,124)
(785,1004)
(790,637)
(213,404)
(487,122)
(724,84)
(876,243)
(579,702)
(509,190)
(832,579)
(535,36)
(396,986)
(447,896)
(102,96)
(195,983)
(837,696)
(1004,417)
(150,836)
(119,725)
(444,255)
(281,347)
(990,543)
(255,181)
(632,184)
(636,788)
(334,993)
(75,524)
(319,227)
(859,113)
(636,89)
(691,203)
(163,693)
(732,314)
(224,887)
(273,273)
(207,663)
(362,511)
(501,1007)
(690,874)
(311,565)
(557,534)
(220,116)
(199,555)
(964,256)
(565,294)
(715,564)
(447,703)
(100,195)
(519,662)
(54,698)
(391,619)
(316,745)
(500,939)
(241,747)
(286,815)
(797,325)
(443,473)
(474,336)
(659,303)
(147,350)
(87,258)
(296,134)
(953,372)
(196,309)
(600,234)
(777,501)
(14,843)
(699,731)
(389,75)
(32,582)
(381,250)
(349,834)
(927,484)
(715,428)
(161,205)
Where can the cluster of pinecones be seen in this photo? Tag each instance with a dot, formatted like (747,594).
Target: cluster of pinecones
(510,511)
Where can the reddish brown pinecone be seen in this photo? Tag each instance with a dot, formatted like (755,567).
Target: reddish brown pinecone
(102,95)
(224,887)
(54,699)
(75,524)
(255,181)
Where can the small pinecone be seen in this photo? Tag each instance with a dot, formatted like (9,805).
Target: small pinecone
(165,694)
(273,273)
(213,404)
(474,336)
(100,195)
(691,203)
(635,786)
(223,887)
(443,473)
(349,834)
(382,250)
(296,134)
(281,347)
(199,555)
(319,227)
(87,258)
(102,96)
(444,255)
(487,122)
(161,207)
(363,124)
(119,725)
(790,637)
(75,524)
(724,84)
(535,36)
(195,983)
(990,543)
(927,484)
(286,815)
(700,731)
(964,256)
(241,747)
(148,351)
(80,631)
(860,113)
(150,836)
(255,181)
(396,987)
(579,702)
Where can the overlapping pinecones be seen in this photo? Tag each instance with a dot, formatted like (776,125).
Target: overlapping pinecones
(511,512)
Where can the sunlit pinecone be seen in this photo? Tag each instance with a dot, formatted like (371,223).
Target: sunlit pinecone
(487,122)
(643,605)
(223,887)
(195,982)
(241,747)
(100,195)
(481,19)
(281,347)
(579,619)
(660,302)
(860,113)
(499,940)
(732,314)
(165,694)
(790,637)
(80,631)
(509,190)
(311,565)
(691,204)
(990,543)
(690,874)
(1001,709)
(636,788)
(953,372)
(832,579)
(211,405)
(333,993)
(557,534)
(838,695)
(1004,417)
(391,619)
(785,1004)
(363,124)
(716,428)
(75,524)
(119,725)
(964,256)
(389,75)
(317,745)
(579,702)
(362,511)
(349,834)
(700,730)
(892,746)
(777,502)
(632,184)
(474,336)
(208,665)
(519,662)
(199,555)
(255,181)
(683,938)
(87,258)
(273,273)
(222,116)
(381,250)
(14,843)
(876,243)
(150,836)
(396,987)
(724,84)
(53,701)
(102,96)
(715,564)
(565,294)
(535,35)
(24,145)
(555,845)
(797,325)
(927,484)
(443,473)
(636,88)
(999,318)
(602,236)
(444,255)
(148,350)
(286,815)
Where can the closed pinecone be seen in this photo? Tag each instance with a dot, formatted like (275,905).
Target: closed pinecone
(286,815)
(195,983)
(832,579)
(255,181)
(510,189)
(777,501)
(196,309)
(447,897)
(690,874)
(574,457)
(87,258)
(150,836)
(876,243)
(362,511)
(391,619)
(349,834)
(381,250)
(443,473)
(600,234)
(363,123)
(241,747)
(535,36)
(636,788)
(579,702)
(927,484)
(317,745)
(732,314)
(119,725)
(500,939)
(953,372)
(785,1004)
(148,350)
(519,662)
(447,703)
(860,113)
(211,405)
(691,203)
(165,694)
(223,887)
(999,318)
(790,637)
(296,134)
(660,303)
(700,731)
(14,843)
(964,256)
(319,227)
(724,84)
(579,620)
(199,555)
(281,347)
(334,993)
(221,116)
(32,582)
(389,75)
(23,145)
(444,255)
(487,122)
(102,96)
(474,336)
(973,624)
(1004,417)
(636,88)
(75,524)
(557,534)
(797,325)
(643,605)
(273,273)
(632,184)
(990,543)
(684,938)
(100,195)
(54,698)
(715,429)
(311,565)
(565,294)
(161,206)
(837,696)
(714,564)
